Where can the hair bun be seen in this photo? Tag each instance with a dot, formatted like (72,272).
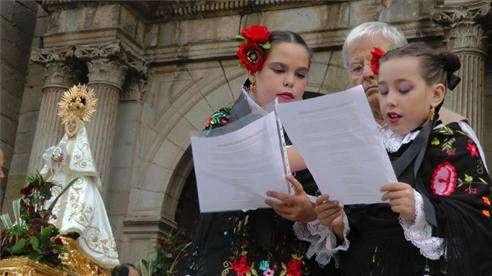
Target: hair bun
(450,62)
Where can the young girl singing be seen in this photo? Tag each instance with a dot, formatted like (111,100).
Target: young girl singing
(437,219)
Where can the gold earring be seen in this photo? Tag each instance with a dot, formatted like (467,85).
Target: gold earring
(252,88)
(432,112)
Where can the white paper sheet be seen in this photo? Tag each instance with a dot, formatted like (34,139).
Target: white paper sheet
(338,138)
(235,170)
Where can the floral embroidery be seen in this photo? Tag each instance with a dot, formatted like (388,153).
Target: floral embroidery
(472,149)
(218,118)
(264,265)
(294,267)
(486,200)
(269,272)
(486,213)
(443,181)
(241,266)
(376,55)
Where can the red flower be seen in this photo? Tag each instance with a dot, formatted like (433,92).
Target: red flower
(376,55)
(241,266)
(472,149)
(251,56)
(256,33)
(443,181)
(294,268)
(26,191)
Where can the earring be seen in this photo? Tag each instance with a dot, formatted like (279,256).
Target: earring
(252,88)
(432,112)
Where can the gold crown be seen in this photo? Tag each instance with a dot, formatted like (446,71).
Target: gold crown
(79,101)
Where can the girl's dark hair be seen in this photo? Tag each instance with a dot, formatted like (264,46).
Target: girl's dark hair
(288,36)
(436,67)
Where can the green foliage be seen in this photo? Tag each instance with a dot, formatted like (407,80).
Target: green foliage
(168,254)
(31,234)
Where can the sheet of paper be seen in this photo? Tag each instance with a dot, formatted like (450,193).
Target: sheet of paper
(235,170)
(338,138)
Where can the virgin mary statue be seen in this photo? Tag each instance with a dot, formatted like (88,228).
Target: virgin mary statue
(80,211)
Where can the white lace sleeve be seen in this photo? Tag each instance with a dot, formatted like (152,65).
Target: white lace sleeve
(419,232)
(323,242)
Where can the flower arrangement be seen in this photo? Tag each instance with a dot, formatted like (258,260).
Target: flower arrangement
(31,234)
(252,51)
(167,256)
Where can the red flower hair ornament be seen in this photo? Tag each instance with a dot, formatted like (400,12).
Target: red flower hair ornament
(376,56)
(252,52)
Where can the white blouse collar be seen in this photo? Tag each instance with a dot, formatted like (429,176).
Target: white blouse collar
(393,141)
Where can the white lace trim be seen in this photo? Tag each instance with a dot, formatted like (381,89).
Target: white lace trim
(323,242)
(392,141)
(419,232)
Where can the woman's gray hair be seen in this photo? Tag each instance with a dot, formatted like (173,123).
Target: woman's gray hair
(372,29)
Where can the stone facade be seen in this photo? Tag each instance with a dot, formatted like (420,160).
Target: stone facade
(160,69)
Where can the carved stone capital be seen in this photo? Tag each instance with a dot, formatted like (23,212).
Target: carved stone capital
(462,25)
(113,50)
(47,55)
(96,51)
(464,14)
(469,37)
(135,90)
(58,74)
(103,70)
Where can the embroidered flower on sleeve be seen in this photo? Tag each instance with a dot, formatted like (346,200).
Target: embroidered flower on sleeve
(269,272)
(472,149)
(241,266)
(486,213)
(443,181)
(294,267)
(218,119)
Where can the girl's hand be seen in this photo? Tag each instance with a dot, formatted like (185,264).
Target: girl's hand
(296,207)
(400,197)
(330,214)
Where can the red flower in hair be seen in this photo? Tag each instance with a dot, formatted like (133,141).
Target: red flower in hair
(256,33)
(376,55)
(240,266)
(443,181)
(251,56)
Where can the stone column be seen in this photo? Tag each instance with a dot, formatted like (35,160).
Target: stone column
(58,78)
(464,36)
(106,76)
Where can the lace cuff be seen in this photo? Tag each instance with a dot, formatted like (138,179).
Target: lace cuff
(323,242)
(419,232)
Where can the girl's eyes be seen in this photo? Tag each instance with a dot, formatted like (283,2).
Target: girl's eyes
(278,70)
(405,87)
(301,75)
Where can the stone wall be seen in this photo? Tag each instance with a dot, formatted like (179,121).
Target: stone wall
(17,106)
